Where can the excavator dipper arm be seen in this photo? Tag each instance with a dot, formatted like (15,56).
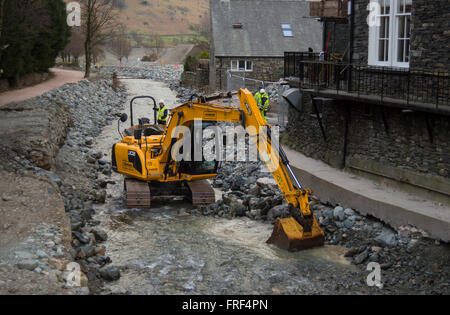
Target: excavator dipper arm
(302,230)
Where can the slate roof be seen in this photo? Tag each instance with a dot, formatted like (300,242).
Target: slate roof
(261,34)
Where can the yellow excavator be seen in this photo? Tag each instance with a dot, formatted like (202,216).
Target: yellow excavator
(145,157)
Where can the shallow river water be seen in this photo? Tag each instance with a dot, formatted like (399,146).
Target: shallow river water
(161,251)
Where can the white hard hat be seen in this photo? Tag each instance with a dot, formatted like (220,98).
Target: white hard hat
(262,91)
(161,101)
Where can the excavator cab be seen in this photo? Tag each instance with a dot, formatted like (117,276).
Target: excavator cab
(204,166)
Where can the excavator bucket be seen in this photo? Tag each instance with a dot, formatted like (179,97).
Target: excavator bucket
(288,234)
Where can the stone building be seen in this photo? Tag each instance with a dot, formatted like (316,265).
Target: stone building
(249,37)
(381,110)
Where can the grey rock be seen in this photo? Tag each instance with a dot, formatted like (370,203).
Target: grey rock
(189,286)
(82,237)
(266,182)
(76,225)
(351,252)
(386,238)
(328,213)
(89,140)
(70,143)
(24,255)
(38,270)
(254,190)
(338,213)
(276,212)
(28,265)
(52,176)
(349,212)
(360,258)
(110,273)
(102,162)
(91,160)
(349,223)
(87,250)
(95,154)
(41,254)
(374,257)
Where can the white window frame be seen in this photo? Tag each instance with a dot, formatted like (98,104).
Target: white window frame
(235,65)
(393,39)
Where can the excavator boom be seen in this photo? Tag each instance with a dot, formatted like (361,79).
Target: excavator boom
(301,230)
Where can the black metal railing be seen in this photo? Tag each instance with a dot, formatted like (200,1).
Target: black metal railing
(292,60)
(412,87)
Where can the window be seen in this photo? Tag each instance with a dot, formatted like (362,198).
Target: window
(234,65)
(287,30)
(389,39)
(241,65)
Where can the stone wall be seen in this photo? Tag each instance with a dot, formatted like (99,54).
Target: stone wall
(264,68)
(361,32)
(197,79)
(430,35)
(402,151)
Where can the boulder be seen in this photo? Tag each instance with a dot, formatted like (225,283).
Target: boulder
(339,214)
(386,238)
(110,273)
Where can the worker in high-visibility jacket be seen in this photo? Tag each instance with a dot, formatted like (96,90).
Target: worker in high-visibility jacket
(263,102)
(163,113)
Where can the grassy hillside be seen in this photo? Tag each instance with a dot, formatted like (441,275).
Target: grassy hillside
(163,16)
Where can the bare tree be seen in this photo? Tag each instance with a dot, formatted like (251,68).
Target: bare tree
(98,54)
(98,23)
(204,29)
(120,46)
(156,42)
(75,47)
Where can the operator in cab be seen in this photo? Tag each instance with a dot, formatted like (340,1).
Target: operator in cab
(262,100)
(163,113)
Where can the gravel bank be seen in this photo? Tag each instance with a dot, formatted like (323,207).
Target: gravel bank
(56,131)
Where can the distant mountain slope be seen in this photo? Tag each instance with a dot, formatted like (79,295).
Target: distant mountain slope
(163,16)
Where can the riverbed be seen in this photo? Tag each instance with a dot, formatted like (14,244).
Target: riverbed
(166,251)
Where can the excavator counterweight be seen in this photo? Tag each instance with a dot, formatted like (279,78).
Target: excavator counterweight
(145,155)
